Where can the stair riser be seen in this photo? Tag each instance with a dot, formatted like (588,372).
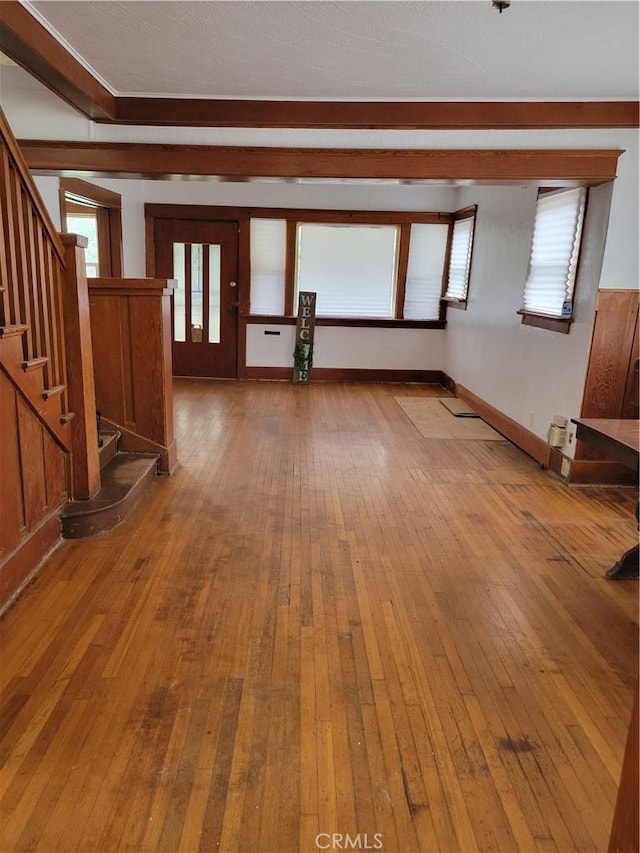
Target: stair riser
(108,450)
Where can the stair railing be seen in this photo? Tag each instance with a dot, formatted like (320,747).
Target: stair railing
(44,301)
(31,269)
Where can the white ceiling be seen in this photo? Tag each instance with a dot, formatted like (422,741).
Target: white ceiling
(355,50)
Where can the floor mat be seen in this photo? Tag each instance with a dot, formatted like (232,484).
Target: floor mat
(432,420)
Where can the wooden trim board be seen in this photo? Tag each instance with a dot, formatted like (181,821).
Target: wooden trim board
(527,441)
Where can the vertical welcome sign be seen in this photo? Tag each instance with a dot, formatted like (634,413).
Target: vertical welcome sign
(305,328)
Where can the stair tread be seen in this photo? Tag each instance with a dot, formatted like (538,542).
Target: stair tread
(51,392)
(118,479)
(8,331)
(34,363)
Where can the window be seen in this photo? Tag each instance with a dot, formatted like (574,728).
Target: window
(427,254)
(196,298)
(553,263)
(95,213)
(364,266)
(268,255)
(351,268)
(84,221)
(460,256)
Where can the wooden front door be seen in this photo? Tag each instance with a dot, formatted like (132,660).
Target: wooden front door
(203,258)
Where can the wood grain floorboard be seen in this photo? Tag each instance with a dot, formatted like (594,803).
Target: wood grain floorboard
(325,631)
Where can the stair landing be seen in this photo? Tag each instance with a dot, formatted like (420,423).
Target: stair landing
(124,480)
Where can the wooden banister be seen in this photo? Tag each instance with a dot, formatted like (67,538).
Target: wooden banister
(85,463)
(31,266)
(48,455)
(19,163)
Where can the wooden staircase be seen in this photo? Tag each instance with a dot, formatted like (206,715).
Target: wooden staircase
(52,478)
(31,377)
(124,478)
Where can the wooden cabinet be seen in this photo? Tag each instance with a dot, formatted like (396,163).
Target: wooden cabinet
(611,382)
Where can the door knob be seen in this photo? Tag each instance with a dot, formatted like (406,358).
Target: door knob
(232,284)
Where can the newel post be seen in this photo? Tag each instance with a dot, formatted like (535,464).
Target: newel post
(85,469)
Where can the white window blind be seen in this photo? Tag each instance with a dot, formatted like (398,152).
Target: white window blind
(460,258)
(427,250)
(554,251)
(351,268)
(268,256)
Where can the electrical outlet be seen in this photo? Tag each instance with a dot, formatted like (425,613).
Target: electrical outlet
(569,448)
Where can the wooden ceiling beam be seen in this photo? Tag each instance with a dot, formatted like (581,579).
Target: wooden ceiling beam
(25,40)
(159,161)
(378,115)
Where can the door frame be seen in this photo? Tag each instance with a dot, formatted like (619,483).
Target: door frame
(155,212)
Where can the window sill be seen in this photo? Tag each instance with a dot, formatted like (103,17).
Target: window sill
(355,322)
(546,321)
(456,303)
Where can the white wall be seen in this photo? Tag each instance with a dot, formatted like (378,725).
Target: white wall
(340,196)
(366,348)
(344,347)
(528,373)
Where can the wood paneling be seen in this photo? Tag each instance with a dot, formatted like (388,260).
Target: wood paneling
(624,832)
(610,389)
(33,487)
(613,354)
(12,519)
(22,565)
(146,160)
(325,622)
(34,496)
(131,331)
(630,399)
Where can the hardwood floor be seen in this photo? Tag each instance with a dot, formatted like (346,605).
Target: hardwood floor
(324,624)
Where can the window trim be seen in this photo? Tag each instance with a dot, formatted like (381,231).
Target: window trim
(352,322)
(155,212)
(546,321)
(469,212)
(108,207)
(553,322)
(297,216)
(392,293)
